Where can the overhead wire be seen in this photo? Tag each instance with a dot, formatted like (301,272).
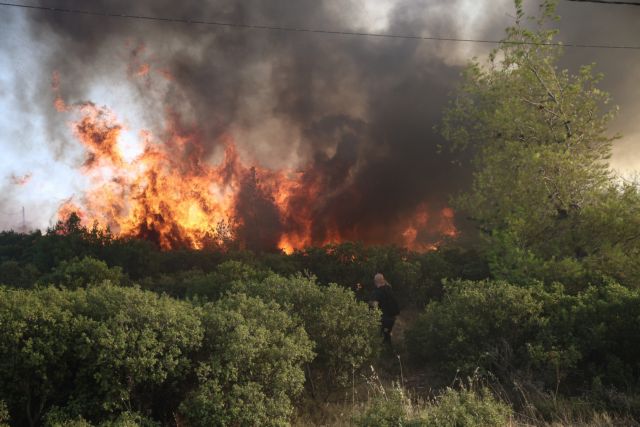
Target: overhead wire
(291,29)
(613,2)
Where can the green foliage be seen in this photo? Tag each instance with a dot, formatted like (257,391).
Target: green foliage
(213,285)
(606,320)
(352,263)
(93,355)
(452,408)
(345,331)
(35,330)
(135,343)
(251,364)
(478,324)
(392,408)
(57,418)
(78,273)
(542,192)
(16,275)
(90,351)
(4,414)
(198,284)
(542,334)
(69,253)
(466,408)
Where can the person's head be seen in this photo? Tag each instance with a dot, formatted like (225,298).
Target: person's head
(379,280)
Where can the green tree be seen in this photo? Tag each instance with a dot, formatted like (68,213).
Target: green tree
(541,179)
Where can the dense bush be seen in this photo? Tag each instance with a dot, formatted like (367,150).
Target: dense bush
(249,366)
(45,258)
(90,352)
(478,324)
(213,285)
(100,352)
(77,273)
(460,408)
(12,273)
(416,278)
(535,332)
(606,321)
(345,331)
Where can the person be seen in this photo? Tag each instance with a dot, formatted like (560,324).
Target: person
(382,297)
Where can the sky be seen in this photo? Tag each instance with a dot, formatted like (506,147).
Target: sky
(365,105)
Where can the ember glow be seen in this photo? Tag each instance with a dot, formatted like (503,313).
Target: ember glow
(171,193)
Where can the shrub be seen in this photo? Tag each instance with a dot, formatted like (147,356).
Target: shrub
(91,352)
(133,342)
(35,334)
(78,273)
(477,324)
(198,284)
(251,365)
(345,331)
(16,275)
(56,418)
(390,409)
(4,414)
(91,355)
(466,408)
(498,328)
(452,408)
(215,284)
(350,263)
(579,340)
(606,322)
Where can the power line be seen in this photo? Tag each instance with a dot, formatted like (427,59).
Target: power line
(308,30)
(624,3)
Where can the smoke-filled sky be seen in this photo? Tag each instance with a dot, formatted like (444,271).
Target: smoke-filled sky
(360,110)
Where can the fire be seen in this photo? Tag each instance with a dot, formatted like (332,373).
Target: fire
(420,222)
(171,193)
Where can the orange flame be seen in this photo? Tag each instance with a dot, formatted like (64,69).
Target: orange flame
(172,195)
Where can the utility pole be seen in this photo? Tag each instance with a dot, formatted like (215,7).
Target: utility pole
(24,222)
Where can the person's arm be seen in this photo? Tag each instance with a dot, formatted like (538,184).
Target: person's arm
(374,300)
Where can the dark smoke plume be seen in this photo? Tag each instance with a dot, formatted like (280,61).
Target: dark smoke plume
(360,111)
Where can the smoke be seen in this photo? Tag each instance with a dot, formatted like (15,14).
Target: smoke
(610,25)
(355,113)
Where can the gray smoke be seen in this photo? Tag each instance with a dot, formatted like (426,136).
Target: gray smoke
(360,110)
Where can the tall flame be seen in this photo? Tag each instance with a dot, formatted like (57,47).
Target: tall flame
(170,193)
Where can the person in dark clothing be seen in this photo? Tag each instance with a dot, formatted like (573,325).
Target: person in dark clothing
(382,297)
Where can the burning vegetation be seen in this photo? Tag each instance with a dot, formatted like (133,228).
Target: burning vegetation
(173,193)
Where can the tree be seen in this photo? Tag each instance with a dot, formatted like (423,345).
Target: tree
(541,149)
